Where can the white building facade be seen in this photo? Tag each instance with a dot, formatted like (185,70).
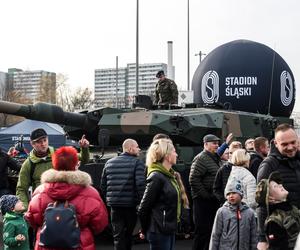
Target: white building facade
(296,117)
(3,80)
(109,87)
(34,85)
(117,88)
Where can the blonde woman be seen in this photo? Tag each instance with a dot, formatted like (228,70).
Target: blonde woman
(240,160)
(159,210)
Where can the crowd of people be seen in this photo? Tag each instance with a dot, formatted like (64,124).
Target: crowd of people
(241,197)
(237,201)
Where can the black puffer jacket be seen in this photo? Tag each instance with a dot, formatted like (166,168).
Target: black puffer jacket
(255,161)
(158,208)
(202,176)
(289,169)
(221,181)
(6,162)
(123,181)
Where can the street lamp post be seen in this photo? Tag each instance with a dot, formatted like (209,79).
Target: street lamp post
(188,44)
(200,54)
(117,80)
(137,49)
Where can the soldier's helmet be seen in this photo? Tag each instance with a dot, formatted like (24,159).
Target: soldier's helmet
(160,73)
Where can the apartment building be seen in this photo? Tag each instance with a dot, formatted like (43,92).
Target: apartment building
(3,80)
(34,85)
(117,87)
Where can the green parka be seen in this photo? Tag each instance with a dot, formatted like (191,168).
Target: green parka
(15,224)
(41,165)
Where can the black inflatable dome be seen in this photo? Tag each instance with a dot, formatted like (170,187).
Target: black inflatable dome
(246,76)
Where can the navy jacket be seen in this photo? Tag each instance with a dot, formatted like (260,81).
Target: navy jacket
(123,181)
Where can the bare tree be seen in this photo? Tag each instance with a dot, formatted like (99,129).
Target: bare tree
(63,92)
(47,88)
(70,100)
(82,99)
(10,94)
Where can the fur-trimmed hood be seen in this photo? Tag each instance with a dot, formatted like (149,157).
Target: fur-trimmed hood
(71,177)
(63,185)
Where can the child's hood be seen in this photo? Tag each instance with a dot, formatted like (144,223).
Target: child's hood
(12,216)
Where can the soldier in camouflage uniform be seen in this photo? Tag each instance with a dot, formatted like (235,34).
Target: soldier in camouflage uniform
(165,90)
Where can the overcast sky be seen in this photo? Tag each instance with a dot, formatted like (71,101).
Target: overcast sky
(76,37)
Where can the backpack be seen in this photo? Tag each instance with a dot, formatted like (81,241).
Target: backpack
(60,228)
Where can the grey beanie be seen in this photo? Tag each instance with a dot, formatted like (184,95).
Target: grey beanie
(234,186)
(7,203)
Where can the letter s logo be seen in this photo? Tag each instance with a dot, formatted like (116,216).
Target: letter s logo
(286,88)
(210,87)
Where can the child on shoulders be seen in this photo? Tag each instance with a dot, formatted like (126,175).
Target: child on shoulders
(283,219)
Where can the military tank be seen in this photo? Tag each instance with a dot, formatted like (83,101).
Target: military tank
(108,127)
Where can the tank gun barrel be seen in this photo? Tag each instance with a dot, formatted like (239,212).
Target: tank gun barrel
(48,113)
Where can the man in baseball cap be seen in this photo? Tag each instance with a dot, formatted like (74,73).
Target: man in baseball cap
(39,160)
(38,134)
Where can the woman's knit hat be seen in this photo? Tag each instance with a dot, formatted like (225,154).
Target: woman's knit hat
(7,203)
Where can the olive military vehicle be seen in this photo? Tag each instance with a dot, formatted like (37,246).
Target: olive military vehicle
(109,127)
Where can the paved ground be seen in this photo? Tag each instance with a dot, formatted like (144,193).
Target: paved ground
(104,242)
(108,245)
